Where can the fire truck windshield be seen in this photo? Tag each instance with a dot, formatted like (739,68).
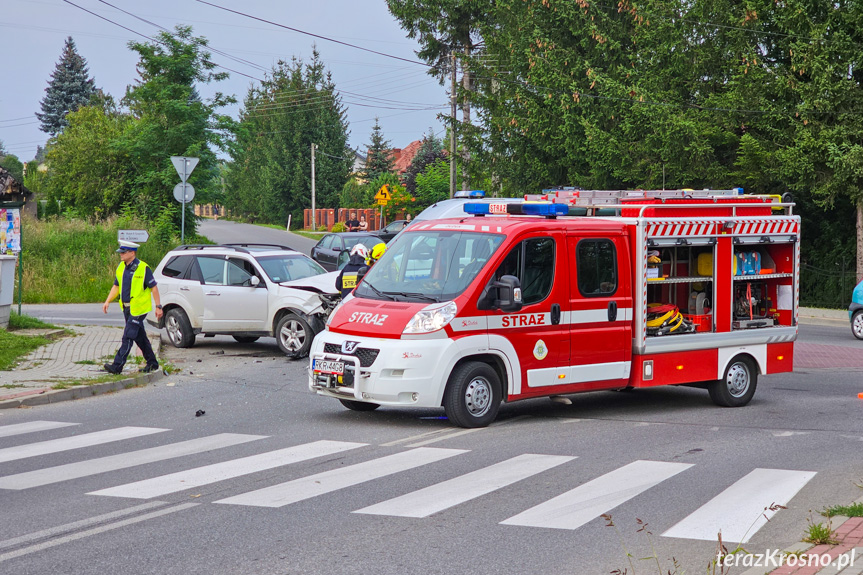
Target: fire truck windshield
(429,265)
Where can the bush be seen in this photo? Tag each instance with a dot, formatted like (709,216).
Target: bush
(339,227)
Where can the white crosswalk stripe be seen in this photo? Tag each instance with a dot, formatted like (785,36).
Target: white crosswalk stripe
(742,509)
(206,475)
(449,493)
(122,461)
(74,442)
(31,427)
(586,502)
(314,485)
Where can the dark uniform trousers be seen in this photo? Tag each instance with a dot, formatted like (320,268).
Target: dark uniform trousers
(133,333)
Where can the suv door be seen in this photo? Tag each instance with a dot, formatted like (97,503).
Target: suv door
(243,306)
(181,284)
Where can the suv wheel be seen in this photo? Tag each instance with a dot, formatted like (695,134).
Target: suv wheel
(179,329)
(294,336)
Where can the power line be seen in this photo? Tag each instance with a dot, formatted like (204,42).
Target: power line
(17,119)
(311,34)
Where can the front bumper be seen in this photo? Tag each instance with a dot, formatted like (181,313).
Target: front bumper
(409,372)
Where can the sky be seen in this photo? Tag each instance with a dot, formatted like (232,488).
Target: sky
(405,98)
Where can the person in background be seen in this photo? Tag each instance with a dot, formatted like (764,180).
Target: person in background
(364,225)
(408,219)
(352,224)
(134,283)
(349,276)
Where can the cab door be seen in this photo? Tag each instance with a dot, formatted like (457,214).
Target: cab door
(600,311)
(537,335)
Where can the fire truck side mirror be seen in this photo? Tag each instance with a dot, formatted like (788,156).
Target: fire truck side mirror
(508,294)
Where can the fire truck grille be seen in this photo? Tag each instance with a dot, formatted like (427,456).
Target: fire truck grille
(366,356)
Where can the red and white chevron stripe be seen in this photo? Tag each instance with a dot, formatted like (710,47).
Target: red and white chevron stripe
(743,227)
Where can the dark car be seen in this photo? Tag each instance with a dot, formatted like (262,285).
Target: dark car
(329,249)
(391,229)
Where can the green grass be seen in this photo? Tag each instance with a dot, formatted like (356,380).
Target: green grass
(310,235)
(13,347)
(67,383)
(24,321)
(853,510)
(12,385)
(820,534)
(73,261)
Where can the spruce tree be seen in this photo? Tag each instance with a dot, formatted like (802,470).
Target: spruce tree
(380,159)
(69,88)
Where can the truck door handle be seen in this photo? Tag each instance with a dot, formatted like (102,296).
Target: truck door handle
(555,313)
(612,311)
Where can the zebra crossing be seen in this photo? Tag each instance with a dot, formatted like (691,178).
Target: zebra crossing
(732,510)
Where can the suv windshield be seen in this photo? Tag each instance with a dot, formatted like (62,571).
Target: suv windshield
(429,266)
(289,267)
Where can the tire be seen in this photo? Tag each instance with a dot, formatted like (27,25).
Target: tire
(246,338)
(737,387)
(294,336)
(179,329)
(359,405)
(473,395)
(857,324)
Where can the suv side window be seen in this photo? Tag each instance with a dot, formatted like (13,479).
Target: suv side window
(212,269)
(177,267)
(240,272)
(596,267)
(532,262)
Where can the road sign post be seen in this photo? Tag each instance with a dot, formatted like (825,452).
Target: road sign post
(137,236)
(184,192)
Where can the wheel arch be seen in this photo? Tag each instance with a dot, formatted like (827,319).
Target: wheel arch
(494,361)
(757,354)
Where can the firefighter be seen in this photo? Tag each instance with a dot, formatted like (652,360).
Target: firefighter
(347,279)
(376,254)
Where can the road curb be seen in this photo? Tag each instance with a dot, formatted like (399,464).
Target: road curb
(47,396)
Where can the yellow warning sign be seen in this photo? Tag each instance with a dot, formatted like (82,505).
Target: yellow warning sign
(383,194)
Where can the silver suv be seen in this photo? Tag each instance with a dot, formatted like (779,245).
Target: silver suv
(247,291)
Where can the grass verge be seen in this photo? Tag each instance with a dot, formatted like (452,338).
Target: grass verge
(24,321)
(853,510)
(13,347)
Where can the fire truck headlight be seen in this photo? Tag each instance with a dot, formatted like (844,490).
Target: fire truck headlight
(432,318)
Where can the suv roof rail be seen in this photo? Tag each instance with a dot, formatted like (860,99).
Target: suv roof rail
(212,246)
(256,245)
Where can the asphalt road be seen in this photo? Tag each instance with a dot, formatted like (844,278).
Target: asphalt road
(227,232)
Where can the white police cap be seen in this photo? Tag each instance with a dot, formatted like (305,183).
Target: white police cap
(127,247)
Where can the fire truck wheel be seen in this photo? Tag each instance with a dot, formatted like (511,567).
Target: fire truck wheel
(737,387)
(294,336)
(472,396)
(857,325)
(359,405)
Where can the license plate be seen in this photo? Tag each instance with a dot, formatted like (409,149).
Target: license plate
(327,366)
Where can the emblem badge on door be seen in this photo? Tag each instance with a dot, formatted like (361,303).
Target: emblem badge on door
(540,350)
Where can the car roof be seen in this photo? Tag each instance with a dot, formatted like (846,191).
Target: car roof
(254,250)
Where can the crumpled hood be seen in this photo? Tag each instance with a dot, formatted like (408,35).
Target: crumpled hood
(323,283)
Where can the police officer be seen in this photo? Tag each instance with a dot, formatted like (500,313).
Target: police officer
(347,279)
(134,283)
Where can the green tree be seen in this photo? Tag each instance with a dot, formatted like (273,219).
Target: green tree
(432,184)
(88,167)
(172,120)
(14,166)
(355,195)
(70,87)
(296,106)
(380,157)
(430,152)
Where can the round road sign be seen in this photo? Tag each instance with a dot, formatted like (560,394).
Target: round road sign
(184,193)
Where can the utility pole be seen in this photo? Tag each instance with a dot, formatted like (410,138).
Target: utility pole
(452,129)
(314,218)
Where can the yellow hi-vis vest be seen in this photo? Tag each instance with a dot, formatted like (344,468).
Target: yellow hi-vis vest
(139,296)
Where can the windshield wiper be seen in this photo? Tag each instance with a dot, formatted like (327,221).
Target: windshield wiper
(379,292)
(415,295)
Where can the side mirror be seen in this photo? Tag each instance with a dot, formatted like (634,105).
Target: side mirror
(508,294)
(254,280)
(344,257)
(361,273)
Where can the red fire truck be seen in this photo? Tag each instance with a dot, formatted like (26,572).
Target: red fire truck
(574,291)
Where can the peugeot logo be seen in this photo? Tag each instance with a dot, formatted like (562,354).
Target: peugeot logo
(349,346)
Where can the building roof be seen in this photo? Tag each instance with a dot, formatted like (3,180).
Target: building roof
(11,189)
(403,157)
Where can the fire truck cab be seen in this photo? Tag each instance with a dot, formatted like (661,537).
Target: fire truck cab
(568,292)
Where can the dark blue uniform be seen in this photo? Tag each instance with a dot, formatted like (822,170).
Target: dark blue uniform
(134,332)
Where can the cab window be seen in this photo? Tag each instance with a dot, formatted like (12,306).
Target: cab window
(596,267)
(532,262)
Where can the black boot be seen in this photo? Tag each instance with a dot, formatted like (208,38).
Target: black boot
(111,368)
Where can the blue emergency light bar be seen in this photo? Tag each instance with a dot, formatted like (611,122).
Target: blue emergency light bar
(543,209)
(470,194)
